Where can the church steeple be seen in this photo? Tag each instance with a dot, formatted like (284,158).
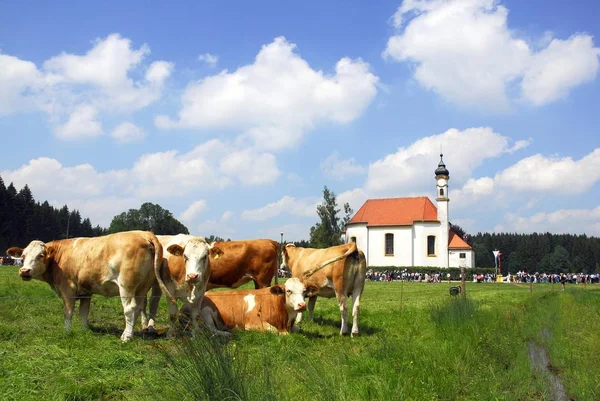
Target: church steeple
(442,175)
(442,170)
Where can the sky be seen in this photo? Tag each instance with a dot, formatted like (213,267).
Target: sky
(235,115)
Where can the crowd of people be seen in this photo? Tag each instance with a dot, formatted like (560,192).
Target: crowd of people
(519,277)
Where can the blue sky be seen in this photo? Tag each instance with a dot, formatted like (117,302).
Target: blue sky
(235,115)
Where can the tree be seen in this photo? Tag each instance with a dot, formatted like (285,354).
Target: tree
(149,217)
(215,238)
(328,232)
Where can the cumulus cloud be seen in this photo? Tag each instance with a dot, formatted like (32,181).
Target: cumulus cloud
(341,169)
(573,221)
(305,207)
(465,52)
(193,211)
(210,59)
(128,132)
(83,123)
(275,113)
(83,86)
(410,170)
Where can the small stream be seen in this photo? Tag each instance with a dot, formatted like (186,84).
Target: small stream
(538,355)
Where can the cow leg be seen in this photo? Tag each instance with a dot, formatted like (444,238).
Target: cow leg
(84,310)
(143,313)
(355,310)
(173,313)
(154,302)
(130,308)
(211,319)
(69,307)
(312,301)
(342,300)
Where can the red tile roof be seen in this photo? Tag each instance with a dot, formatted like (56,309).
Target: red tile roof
(455,242)
(395,212)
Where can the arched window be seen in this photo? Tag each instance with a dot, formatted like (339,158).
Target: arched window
(431,245)
(389,244)
(353,239)
(441,191)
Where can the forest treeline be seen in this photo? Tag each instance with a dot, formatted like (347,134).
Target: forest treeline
(23,219)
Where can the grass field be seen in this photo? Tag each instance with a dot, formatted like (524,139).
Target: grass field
(416,343)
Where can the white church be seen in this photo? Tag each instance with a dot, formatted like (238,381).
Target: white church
(410,232)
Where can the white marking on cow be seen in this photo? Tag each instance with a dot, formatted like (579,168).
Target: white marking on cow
(250,301)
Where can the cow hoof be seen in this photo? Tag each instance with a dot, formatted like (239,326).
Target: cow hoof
(151,329)
(125,337)
(354,333)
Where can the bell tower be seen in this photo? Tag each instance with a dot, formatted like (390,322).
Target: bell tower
(442,175)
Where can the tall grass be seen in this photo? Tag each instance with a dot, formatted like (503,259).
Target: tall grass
(433,347)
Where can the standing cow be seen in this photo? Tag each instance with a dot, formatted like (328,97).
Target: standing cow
(266,309)
(121,264)
(243,261)
(185,273)
(338,271)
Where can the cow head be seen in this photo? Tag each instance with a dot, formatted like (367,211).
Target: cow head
(294,292)
(36,257)
(196,254)
(285,257)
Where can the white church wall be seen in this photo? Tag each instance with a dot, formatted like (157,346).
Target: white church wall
(456,261)
(402,246)
(360,232)
(421,232)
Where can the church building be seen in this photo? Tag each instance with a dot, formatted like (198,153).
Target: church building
(410,232)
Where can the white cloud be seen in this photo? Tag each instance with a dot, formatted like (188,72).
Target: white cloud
(354,197)
(341,169)
(250,167)
(193,211)
(465,52)
(72,85)
(128,132)
(411,169)
(573,221)
(210,59)
(558,68)
(538,173)
(305,207)
(83,123)
(277,98)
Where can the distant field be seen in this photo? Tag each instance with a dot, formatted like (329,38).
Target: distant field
(416,343)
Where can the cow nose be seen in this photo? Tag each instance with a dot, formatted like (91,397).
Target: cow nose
(301,306)
(25,271)
(192,277)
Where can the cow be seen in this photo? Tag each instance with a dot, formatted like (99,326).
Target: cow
(243,261)
(338,271)
(185,273)
(267,309)
(121,264)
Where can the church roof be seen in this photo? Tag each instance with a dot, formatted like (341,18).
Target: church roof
(455,242)
(395,211)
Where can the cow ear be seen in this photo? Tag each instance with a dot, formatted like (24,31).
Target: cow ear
(277,290)
(311,291)
(15,252)
(215,252)
(175,250)
(50,251)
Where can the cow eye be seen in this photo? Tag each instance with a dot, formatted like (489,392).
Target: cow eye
(185,258)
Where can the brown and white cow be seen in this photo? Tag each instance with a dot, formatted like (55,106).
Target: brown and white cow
(243,261)
(185,273)
(338,271)
(121,264)
(266,309)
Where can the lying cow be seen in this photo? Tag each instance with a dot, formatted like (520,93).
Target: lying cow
(244,261)
(185,273)
(338,271)
(121,264)
(266,309)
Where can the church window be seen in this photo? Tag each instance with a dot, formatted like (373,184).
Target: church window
(389,244)
(353,239)
(431,245)
(441,191)
(462,255)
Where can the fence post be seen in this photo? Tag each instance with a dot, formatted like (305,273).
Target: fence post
(462,282)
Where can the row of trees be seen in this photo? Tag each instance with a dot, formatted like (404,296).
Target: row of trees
(23,219)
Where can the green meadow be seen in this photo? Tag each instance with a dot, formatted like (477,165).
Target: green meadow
(501,342)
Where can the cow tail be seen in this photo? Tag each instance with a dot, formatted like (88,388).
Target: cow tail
(158,262)
(349,252)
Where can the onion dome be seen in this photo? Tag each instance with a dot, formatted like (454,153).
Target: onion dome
(442,170)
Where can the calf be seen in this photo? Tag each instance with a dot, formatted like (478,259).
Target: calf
(185,273)
(267,309)
(121,264)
